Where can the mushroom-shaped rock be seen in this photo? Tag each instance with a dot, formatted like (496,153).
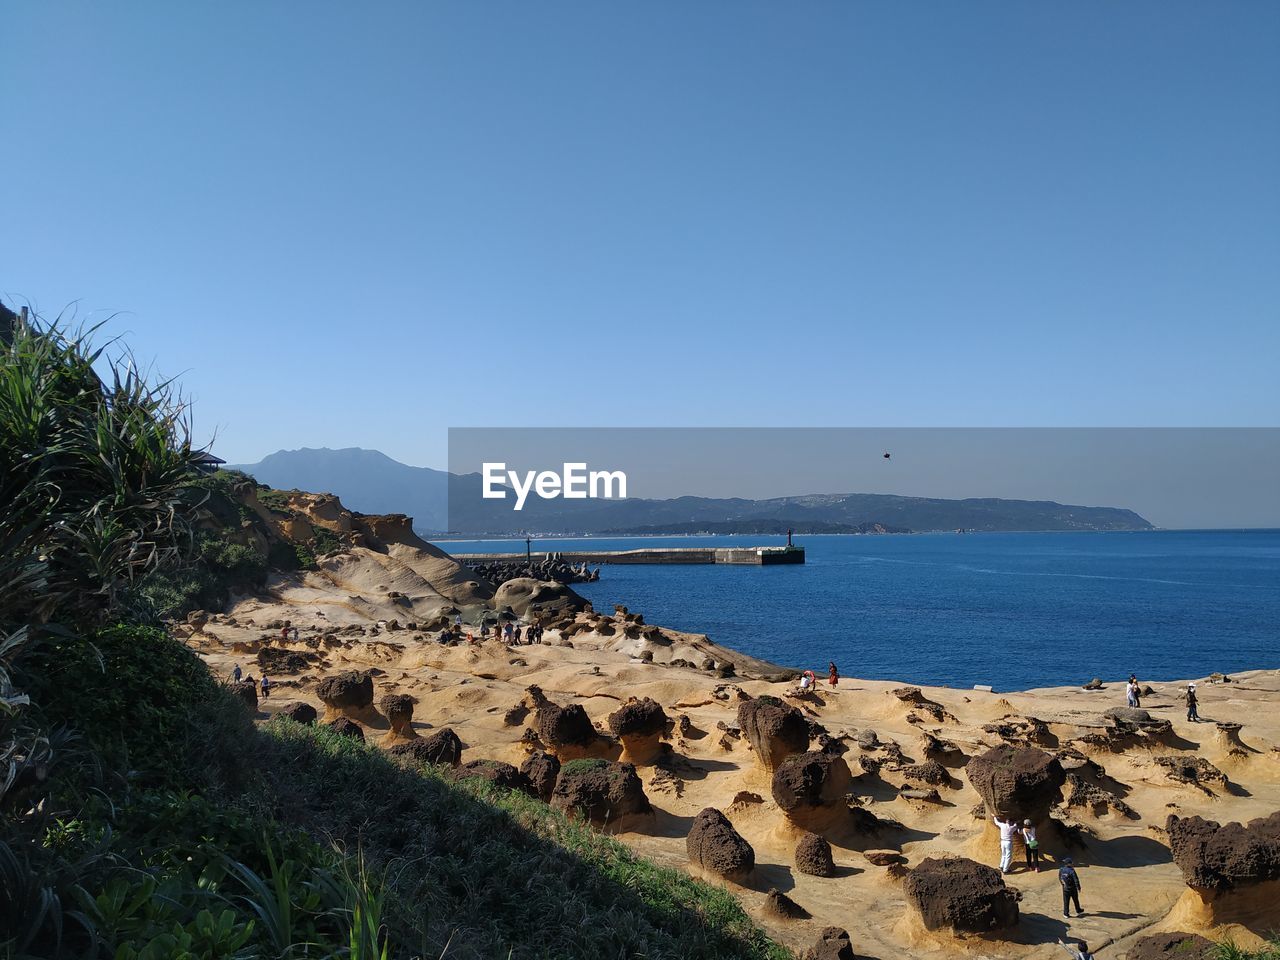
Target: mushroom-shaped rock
(541,769)
(778,905)
(348,694)
(602,791)
(441,747)
(398,709)
(346,727)
(567,731)
(833,944)
(500,774)
(1228,738)
(774,730)
(810,788)
(715,847)
(1216,859)
(1172,946)
(299,712)
(955,893)
(1017,782)
(639,724)
(813,856)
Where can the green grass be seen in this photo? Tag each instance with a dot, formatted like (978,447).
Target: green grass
(227,839)
(1229,951)
(493,872)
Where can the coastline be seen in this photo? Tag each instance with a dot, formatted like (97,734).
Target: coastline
(371,610)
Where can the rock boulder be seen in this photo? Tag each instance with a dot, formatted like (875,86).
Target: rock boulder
(602,791)
(774,730)
(500,774)
(813,856)
(303,713)
(717,848)
(955,893)
(442,747)
(348,694)
(1172,946)
(1216,858)
(810,788)
(1017,782)
(541,769)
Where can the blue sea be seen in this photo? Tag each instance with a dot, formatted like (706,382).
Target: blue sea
(1015,610)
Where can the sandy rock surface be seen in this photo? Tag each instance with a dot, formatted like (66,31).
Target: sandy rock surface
(878,767)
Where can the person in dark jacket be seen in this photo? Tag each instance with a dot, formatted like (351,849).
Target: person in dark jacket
(1193,705)
(1070,881)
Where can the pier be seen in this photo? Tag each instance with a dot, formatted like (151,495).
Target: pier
(751,556)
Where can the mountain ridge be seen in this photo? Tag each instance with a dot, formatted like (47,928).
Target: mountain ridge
(372,482)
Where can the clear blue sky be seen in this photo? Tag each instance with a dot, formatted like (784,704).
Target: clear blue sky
(358,224)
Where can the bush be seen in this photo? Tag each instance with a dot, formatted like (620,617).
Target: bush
(206,580)
(132,693)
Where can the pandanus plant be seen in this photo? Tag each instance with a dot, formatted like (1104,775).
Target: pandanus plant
(95,469)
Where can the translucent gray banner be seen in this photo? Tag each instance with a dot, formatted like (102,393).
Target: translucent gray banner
(638,481)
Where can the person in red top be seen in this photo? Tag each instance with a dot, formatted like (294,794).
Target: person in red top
(833,675)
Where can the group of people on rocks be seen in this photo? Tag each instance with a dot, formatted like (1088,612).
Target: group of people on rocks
(1133,696)
(513,634)
(808,681)
(237,676)
(1011,830)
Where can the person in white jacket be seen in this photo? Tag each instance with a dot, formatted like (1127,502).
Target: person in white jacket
(1008,830)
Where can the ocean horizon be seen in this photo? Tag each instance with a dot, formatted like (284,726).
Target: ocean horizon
(1012,610)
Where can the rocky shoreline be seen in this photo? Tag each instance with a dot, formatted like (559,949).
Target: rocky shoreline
(855,818)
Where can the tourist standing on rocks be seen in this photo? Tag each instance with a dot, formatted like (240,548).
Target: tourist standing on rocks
(237,673)
(1070,881)
(1133,692)
(1008,829)
(1193,705)
(1032,844)
(1079,950)
(833,675)
(266,687)
(515,635)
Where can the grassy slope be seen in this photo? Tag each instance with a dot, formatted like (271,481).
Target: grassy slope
(485,872)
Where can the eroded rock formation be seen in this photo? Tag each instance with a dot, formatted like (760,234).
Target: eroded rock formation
(774,730)
(955,893)
(813,856)
(602,791)
(639,725)
(541,769)
(715,847)
(1017,783)
(348,694)
(810,788)
(441,747)
(398,709)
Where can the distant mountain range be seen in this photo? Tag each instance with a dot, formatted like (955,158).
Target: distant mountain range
(371,482)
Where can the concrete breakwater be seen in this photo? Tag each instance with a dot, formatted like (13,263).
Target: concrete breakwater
(756,556)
